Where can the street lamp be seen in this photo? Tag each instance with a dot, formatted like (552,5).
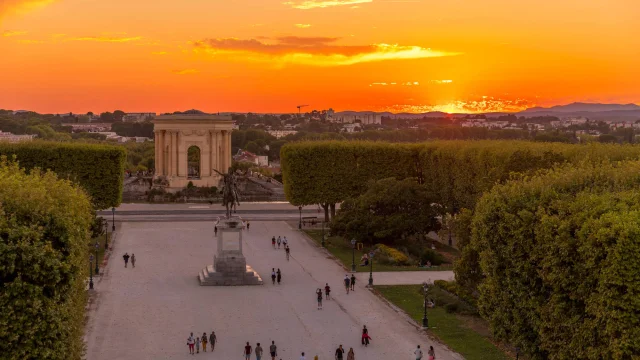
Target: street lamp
(353,255)
(106,235)
(371,253)
(90,272)
(300,223)
(322,243)
(113,219)
(97,269)
(425,320)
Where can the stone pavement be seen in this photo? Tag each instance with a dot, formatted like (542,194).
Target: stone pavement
(148,312)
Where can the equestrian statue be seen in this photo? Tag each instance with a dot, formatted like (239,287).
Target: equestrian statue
(230,196)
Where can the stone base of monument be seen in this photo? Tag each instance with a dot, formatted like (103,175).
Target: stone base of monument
(229,264)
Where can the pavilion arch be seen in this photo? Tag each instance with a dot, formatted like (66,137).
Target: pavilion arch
(176,134)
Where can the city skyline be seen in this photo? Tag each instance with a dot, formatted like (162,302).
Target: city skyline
(270,56)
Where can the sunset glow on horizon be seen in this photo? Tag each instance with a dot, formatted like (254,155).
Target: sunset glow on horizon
(272,55)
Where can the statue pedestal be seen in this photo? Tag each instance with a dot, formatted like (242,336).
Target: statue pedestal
(229,265)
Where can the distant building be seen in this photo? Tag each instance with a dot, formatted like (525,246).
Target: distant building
(12,138)
(281,133)
(246,156)
(363,118)
(349,128)
(92,128)
(138,117)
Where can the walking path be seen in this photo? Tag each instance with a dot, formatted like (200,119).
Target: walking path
(148,312)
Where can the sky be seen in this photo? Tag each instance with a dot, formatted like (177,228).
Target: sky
(273,55)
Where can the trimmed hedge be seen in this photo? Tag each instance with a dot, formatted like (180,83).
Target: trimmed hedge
(98,169)
(560,255)
(44,227)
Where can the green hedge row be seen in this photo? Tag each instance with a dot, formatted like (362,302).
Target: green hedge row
(97,168)
(458,172)
(560,258)
(44,227)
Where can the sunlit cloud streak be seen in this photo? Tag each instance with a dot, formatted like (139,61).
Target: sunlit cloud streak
(315,4)
(7,6)
(312,51)
(185,72)
(303,26)
(9,33)
(107,38)
(484,105)
(440,82)
(407,83)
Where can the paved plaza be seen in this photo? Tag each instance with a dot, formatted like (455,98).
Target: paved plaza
(147,312)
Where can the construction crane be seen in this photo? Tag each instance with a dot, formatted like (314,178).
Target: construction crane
(300,107)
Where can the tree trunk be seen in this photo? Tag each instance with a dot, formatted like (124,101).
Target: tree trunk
(326,212)
(333,210)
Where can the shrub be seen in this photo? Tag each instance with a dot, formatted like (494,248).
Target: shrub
(393,256)
(434,257)
(44,228)
(451,308)
(98,169)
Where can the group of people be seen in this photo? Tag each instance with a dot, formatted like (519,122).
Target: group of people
(248,350)
(281,242)
(430,353)
(276,275)
(350,283)
(126,259)
(194,343)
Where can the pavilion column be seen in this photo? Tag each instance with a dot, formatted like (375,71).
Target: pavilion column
(173,154)
(161,167)
(213,152)
(219,152)
(228,149)
(156,147)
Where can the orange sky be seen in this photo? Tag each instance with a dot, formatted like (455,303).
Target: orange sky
(271,55)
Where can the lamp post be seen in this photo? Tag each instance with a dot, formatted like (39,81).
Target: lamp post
(425,320)
(113,219)
(322,243)
(371,253)
(90,272)
(106,235)
(97,269)
(353,255)
(300,223)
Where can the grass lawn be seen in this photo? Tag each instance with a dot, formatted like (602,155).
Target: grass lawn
(451,329)
(342,250)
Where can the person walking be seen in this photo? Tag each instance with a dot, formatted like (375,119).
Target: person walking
(212,340)
(204,342)
(347,282)
(273,350)
(285,242)
(278,276)
(197,345)
(273,242)
(302,357)
(191,342)
(279,241)
(273,276)
(365,336)
(133,260)
(353,282)
(288,252)
(351,355)
(327,291)
(215,230)
(339,353)
(418,353)
(247,351)
(319,293)
(431,353)
(258,351)
(126,259)
(248,224)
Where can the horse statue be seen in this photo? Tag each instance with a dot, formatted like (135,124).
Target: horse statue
(230,196)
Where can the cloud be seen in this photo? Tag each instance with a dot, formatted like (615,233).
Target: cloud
(8,6)
(407,83)
(303,26)
(108,38)
(313,51)
(8,33)
(440,82)
(30,42)
(478,105)
(159,53)
(185,71)
(315,4)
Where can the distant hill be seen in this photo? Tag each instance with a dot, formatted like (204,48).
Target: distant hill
(584,107)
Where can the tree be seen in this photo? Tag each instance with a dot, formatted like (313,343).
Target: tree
(44,230)
(388,211)
(118,115)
